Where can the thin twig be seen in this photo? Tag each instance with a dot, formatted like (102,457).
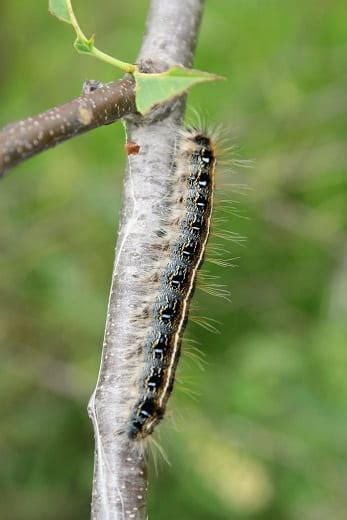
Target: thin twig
(28,137)
(120,484)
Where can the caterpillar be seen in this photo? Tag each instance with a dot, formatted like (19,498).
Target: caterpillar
(194,172)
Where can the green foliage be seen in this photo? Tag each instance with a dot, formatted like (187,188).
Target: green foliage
(265,439)
(85,46)
(61,9)
(151,89)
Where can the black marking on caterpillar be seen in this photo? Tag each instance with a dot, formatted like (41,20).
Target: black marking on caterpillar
(195,165)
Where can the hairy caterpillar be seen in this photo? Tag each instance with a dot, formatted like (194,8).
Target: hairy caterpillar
(195,163)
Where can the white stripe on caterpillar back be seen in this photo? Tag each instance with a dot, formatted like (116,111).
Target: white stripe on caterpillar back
(183,242)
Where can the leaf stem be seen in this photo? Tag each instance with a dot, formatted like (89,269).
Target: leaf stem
(126,67)
(80,34)
(81,37)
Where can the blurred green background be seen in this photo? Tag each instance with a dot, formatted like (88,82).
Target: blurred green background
(266,437)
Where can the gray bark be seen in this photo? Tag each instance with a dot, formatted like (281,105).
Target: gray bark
(120,481)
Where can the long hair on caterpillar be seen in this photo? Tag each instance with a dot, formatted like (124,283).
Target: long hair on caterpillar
(178,252)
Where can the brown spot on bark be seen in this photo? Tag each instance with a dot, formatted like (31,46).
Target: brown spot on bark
(132,148)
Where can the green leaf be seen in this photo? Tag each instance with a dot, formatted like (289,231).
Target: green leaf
(60,9)
(152,89)
(84,46)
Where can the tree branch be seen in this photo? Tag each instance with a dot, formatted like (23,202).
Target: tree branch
(119,484)
(28,137)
